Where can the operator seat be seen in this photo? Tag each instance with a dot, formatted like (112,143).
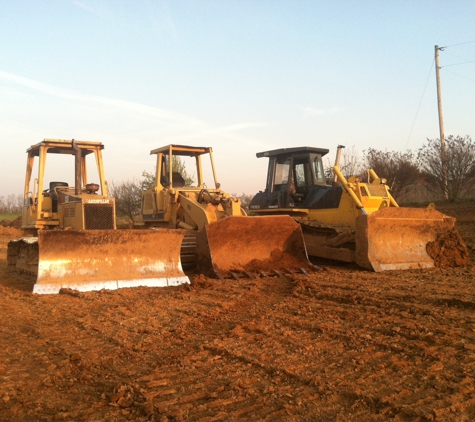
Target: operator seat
(54,195)
(177,180)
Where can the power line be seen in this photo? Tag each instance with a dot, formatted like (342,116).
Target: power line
(454,55)
(458,57)
(456,64)
(462,43)
(420,102)
(464,77)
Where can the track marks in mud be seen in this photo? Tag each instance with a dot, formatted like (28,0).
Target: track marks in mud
(403,346)
(333,344)
(233,382)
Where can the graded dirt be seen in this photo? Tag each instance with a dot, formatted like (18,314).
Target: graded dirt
(338,344)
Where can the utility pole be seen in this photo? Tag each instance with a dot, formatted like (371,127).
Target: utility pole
(441,124)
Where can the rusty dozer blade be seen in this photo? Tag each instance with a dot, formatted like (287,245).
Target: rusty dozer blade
(87,260)
(397,239)
(251,244)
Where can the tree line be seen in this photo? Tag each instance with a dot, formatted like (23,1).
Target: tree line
(403,169)
(11,204)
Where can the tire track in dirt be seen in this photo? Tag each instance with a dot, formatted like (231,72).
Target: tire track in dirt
(232,384)
(416,344)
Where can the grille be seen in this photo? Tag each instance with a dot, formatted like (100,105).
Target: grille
(377,190)
(69,212)
(99,216)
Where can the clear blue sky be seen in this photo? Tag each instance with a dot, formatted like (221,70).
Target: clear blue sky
(240,76)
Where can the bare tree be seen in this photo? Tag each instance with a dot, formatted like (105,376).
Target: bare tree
(127,197)
(351,163)
(128,194)
(12,204)
(245,200)
(399,169)
(460,162)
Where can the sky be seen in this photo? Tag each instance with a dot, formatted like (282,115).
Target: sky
(240,76)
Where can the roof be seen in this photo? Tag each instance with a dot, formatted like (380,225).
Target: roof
(184,150)
(64,146)
(294,150)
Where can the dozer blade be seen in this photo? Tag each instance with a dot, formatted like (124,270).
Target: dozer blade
(251,244)
(398,239)
(89,260)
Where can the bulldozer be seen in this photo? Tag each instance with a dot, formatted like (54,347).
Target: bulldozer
(351,220)
(72,237)
(222,241)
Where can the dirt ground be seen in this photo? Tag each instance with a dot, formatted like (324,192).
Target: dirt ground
(339,344)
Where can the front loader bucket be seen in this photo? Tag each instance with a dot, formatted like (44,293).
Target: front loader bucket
(238,244)
(88,260)
(399,239)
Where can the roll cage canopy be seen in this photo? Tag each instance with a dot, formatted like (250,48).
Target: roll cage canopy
(292,151)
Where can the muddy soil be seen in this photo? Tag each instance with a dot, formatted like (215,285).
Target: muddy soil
(339,344)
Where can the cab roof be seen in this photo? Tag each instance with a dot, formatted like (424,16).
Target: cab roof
(292,151)
(183,150)
(64,146)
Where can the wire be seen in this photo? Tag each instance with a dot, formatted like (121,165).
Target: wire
(463,43)
(456,64)
(420,102)
(471,80)
(458,57)
(454,55)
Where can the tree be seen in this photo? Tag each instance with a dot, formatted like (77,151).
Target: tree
(149,179)
(12,204)
(460,162)
(128,196)
(399,169)
(179,166)
(245,200)
(350,164)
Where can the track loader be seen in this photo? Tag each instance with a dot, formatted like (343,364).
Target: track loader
(221,239)
(351,220)
(74,242)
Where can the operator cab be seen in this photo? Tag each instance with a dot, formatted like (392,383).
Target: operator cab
(295,179)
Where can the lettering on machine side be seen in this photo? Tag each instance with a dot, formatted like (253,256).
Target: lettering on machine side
(98,201)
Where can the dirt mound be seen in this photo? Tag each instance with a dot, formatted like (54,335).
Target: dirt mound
(10,232)
(11,223)
(278,260)
(17,222)
(449,250)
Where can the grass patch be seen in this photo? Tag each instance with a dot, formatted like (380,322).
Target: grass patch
(9,216)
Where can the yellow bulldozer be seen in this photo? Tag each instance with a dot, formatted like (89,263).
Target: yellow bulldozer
(221,239)
(73,242)
(352,220)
